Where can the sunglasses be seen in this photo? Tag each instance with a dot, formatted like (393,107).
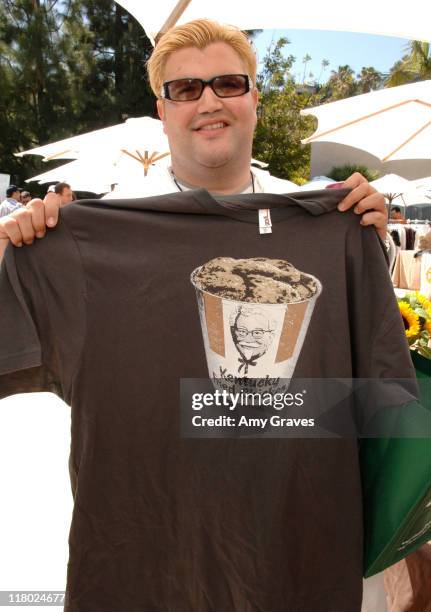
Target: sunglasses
(224,86)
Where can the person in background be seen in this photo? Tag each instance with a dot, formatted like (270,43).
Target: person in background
(12,201)
(65,192)
(25,197)
(396,215)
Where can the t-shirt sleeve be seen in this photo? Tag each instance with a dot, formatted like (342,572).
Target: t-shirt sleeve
(42,316)
(377,333)
(19,343)
(383,369)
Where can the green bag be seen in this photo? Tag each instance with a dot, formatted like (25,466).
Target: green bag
(397,499)
(396,482)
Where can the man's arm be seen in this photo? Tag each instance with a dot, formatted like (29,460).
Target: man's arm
(30,222)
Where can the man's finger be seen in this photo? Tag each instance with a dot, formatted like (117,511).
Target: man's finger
(3,244)
(10,230)
(355,180)
(357,194)
(375,201)
(52,206)
(378,219)
(37,210)
(23,219)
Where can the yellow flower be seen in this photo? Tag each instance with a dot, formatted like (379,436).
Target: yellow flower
(410,319)
(428,326)
(426,304)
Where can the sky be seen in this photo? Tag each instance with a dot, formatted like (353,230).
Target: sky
(338,48)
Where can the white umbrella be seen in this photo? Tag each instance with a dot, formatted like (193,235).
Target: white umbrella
(423,183)
(392,123)
(382,17)
(98,174)
(77,174)
(392,186)
(141,139)
(119,153)
(392,183)
(318,182)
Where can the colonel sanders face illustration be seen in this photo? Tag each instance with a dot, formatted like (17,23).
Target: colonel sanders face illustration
(252,332)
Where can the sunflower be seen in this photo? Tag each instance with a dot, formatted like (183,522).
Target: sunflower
(426,304)
(410,320)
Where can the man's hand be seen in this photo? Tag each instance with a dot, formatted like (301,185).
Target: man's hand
(29,222)
(365,198)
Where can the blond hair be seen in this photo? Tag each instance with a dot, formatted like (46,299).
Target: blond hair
(198,33)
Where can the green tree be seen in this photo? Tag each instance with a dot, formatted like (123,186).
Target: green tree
(325,64)
(67,67)
(109,75)
(369,79)
(415,66)
(280,126)
(341,173)
(307,58)
(35,101)
(341,84)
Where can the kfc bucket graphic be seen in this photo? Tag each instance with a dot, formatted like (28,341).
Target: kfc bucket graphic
(255,315)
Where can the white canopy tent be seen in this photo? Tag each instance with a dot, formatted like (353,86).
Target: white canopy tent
(393,187)
(382,17)
(99,174)
(393,183)
(116,154)
(392,123)
(77,174)
(141,139)
(423,183)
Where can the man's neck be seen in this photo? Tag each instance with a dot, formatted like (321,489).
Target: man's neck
(214,182)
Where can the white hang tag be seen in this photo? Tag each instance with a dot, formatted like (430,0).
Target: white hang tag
(265,225)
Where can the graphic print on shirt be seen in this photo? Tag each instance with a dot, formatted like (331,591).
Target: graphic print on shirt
(255,315)
(252,333)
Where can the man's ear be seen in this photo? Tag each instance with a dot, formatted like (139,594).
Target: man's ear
(255,96)
(161,109)
(161,112)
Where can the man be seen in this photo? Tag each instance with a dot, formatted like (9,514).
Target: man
(396,215)
(12,201)
(65,192)
(209,118)
(210,137)
(25,197)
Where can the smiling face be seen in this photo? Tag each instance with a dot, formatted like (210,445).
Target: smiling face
(253,333)
(210,138)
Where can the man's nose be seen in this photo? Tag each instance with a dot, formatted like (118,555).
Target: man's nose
(209,101)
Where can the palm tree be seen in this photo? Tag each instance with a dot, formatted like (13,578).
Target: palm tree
(306,59)
(342,83)
(325,64)
(369,79)
(416,66)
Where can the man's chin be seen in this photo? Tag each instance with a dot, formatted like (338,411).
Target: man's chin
(214,161)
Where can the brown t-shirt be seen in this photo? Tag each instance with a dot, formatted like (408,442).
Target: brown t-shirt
(102,312)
